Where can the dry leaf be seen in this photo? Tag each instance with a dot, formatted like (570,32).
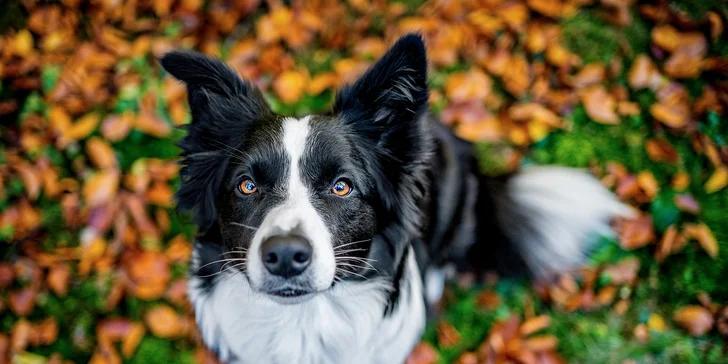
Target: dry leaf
(704,236)
(717,181)
(164,322)
(423,353)
(600,105)
(447,335)
(687,203)
(696,320)
(660,150)
(289,86)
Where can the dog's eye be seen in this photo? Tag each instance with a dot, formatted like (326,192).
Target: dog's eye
(341,188)
(247,186)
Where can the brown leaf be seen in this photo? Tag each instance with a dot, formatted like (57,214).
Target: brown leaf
(467,358)
(7,275)
(179,249)
(696,320)
(660,150)
(550,8)
(22,301)
(666,37)
(624,272)
(644,74)
(704,236)
(641,333)
(488,299)
(447,335)
(58,278)
(600,105)
(423,353)
(716,25)
(681,181)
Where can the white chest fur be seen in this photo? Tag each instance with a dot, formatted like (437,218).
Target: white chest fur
(345,325)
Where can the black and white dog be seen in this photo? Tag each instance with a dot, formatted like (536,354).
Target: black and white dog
(323,237)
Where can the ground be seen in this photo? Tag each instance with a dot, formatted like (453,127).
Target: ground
(92,265)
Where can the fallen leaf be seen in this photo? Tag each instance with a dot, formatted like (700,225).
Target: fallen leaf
(717,181)
(58,278)
(447,335)
(686,202)
(600,105)
(648,183)
(641,333)
(101,187)
(164,322)
(656,323)
(542,343)
(704,236)
(696,320)
(660,150)
(423,353)
(535,324)
(101,153)
(289,86)
(471,86)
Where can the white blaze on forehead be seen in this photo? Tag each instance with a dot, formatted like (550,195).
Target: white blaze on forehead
(296,213)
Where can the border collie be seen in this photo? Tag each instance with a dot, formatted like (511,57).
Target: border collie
(325,238)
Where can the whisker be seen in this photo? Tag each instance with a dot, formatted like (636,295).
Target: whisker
(352,266)
(223,270)
(350,272)
(218,261)
(245,226)
(357,258)
(352,243)
(235,251)
(357,261)
(338,253)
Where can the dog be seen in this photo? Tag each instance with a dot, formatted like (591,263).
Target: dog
(327,238)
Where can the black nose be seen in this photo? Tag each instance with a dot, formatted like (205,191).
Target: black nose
(286,256)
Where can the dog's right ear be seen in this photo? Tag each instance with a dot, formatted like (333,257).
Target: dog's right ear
(223,106)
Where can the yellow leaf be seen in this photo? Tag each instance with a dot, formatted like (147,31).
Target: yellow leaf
(289,86)
(656,323)
(84,126)
(600,105)
(704,236)
(717,181)
(101,187)
(100,152)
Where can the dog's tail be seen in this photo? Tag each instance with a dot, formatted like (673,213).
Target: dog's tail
(550,216)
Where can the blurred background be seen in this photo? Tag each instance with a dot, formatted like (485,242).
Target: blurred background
(93,256)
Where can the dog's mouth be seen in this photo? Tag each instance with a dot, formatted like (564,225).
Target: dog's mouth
(290,292)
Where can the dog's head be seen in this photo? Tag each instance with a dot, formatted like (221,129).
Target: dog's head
(301,203)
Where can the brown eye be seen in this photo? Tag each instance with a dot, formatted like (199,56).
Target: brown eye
(247,186)
(341,188)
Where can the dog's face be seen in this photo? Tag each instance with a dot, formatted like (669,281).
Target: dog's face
(301,203)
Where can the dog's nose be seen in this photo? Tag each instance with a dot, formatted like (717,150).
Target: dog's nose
(286,256)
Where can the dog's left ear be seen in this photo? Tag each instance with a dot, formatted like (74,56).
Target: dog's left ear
(385,109)
(393,91)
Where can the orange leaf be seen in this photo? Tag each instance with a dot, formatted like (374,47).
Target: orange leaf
(666,37)
(164,322)
(100,152)
(101,187)
(624,272)
(447,335)
(591,74)
(683,65)
(542,343)
(647,182)
(635,233)
(116,127)
(668,116)
(644,74)
(83,127)
(151,124)
(289,86)
(681,181)
(322,82)
(535,324)
(463,87)
(600,105)
(550,8)
(696,320)
(704,236)
(58,278)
